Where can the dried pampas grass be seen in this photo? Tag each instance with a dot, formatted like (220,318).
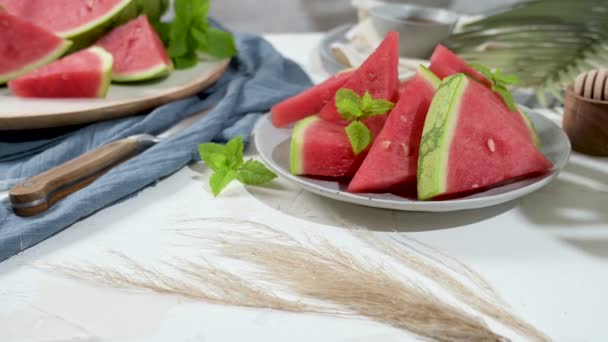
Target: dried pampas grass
(315,275)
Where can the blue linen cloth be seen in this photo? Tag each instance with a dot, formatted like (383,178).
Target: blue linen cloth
(256,79)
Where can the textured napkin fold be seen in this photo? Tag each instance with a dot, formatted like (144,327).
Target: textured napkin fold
(256,79)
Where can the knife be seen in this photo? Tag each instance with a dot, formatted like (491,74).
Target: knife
(39,193)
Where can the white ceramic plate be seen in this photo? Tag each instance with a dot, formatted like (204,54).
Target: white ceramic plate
(273,145)
(122,100)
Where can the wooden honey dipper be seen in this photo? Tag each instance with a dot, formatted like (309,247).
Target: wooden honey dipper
(585,117)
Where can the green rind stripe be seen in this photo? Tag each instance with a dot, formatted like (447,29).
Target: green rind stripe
(106,67)
(437,137)
(297,140)
(95,23)
(50,57)
(531,128)
(429,76)
(159,70)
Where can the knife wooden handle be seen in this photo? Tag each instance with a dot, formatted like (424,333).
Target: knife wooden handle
(39,193)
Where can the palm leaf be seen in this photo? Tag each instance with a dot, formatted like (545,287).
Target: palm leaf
(546,43)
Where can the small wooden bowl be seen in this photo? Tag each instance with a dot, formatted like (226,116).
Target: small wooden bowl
(585,121)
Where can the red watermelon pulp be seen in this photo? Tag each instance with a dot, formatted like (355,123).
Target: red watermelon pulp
(66,18)
(471,142)
(138,52)
(83,74)
(308,102)
(321,148)
(25,47)
(378,74)
(391,163)
(445,63)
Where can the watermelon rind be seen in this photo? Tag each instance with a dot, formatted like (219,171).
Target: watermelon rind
(106,67)
(429,76)
(531,128)
(297,139)
(50,57)
(159,70)
(437,136)
(95,23)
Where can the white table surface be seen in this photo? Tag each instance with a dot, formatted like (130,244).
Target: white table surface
(547,254)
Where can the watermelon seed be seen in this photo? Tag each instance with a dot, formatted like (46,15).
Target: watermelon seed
(403,118)
(371,76)
(491,145)
(475,186)
(406,149)
(64,77)
(386,144)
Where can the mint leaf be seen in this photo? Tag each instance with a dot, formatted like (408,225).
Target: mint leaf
(186,61)
(220,44)
(254,173)
(378,107)
(359,136)
(220,179)
(348,104)
(499,84)
(234,152)
(213,155)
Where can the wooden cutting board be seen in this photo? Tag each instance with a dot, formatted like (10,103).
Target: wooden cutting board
(122,100)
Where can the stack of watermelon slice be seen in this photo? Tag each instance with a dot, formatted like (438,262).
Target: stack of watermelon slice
(34,34)
(447,136)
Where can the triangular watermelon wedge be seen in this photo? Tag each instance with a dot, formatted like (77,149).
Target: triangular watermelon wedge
(83,74)
(321,148)
(470,142)
(446,63)
(391,163)
(25,46)
(378,74)
(138,52)
(308,102)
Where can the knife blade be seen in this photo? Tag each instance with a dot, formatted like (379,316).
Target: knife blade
(37,194)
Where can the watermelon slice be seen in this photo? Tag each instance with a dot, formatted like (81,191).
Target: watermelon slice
(138,52)
(25,47)
(392,161)
(321,148)
(308,102)
(470,143)
(445,63)
(378,74)
(83,74)
(83,21)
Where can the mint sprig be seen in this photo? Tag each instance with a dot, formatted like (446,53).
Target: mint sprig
(355,108)
(500,83)
(227,164)
(190,33)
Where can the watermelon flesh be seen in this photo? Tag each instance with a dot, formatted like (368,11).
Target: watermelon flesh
(308,102)
(66,18)
(138,52)
(470,143)
(25,47)
(445,63)
(392,162)
(378,74)
(83,74)
(321,148)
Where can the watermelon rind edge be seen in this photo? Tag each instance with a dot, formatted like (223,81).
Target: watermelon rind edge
(107,63)
(50,57)
(297,139)
(429,76)
(531,128)
(437,136)
(95,23)
(159,70)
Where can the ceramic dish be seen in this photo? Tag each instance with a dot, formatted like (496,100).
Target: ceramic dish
(273,145)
